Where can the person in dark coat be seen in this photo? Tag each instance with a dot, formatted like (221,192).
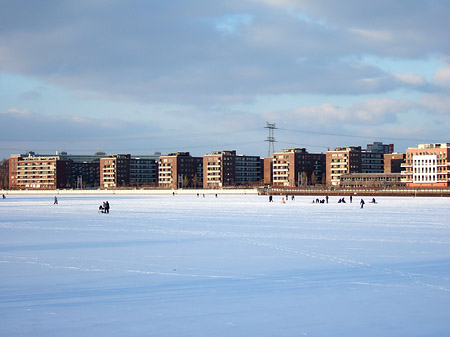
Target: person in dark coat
(107,207)
(56,201)
(362,203)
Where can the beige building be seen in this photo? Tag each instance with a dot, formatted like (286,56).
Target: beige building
(296,167)
(428,165)
(226,168)
(340,161)
(38,172)
(178,170)
(115,171)
(219,169)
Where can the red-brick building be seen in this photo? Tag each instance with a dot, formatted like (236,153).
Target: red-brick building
(39,172)
(180,169)
(296,167)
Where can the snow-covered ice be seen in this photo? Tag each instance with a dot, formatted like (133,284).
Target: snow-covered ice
(235,265)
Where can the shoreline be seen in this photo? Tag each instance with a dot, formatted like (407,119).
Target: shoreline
(250,191)
(419,192)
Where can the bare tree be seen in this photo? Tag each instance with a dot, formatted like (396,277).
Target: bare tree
(185,181)
(304,178)
(313,179)
(195,181)
(4,174)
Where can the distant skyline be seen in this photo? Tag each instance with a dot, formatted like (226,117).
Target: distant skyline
(145,76)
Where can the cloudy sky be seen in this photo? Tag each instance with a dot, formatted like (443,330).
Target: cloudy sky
(144,76)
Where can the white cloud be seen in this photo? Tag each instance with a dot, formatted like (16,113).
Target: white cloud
(439,103)
(442,77)
(379,111)
(17,112)
(373,34)
(410,78)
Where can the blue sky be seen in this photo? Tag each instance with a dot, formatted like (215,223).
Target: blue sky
(144,76)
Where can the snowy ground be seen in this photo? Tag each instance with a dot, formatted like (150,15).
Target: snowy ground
(227,266)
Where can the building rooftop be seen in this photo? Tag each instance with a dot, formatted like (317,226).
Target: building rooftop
(434,146)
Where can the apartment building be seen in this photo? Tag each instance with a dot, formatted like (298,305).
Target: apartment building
(115,171)
(178,170)
(219,169)
(85,174)
(226,168)
(428,165)
(353,159)
(372,158)
(126,170)
(297,167)
(393,162)
(372,162)
(379,147)
(342,160)
(144,170)
(248,170)
(85,169)
(38,172)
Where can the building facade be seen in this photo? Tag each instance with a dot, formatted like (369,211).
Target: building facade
(372,158)
(268,171)
(124,170)
(353,159)
(179,170)
(393,162)
(219,169)
(39,172)
(248,170)
(144,170)
(372,162)
(427,165)
(379,147)
(340,161)
(297,167)
(115,171)
(371,180)
(226,169)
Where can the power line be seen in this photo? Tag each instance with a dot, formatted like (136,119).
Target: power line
(304,145)
(353,136)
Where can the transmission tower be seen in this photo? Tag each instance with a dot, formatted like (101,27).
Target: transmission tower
(271,138)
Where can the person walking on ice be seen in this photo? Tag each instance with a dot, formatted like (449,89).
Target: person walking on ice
(362,203)
(56,201)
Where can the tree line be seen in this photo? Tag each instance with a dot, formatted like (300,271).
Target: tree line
(4,174)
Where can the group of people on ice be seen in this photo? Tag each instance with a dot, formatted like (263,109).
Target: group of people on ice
(323,201)
(104,208)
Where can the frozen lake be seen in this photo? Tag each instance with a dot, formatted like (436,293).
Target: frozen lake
(228,266)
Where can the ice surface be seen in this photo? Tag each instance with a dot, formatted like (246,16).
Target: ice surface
(228,266)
